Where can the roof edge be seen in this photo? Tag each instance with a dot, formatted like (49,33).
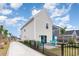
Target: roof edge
(32,19)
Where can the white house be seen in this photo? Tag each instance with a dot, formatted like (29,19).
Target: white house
(72,34)
(39,25)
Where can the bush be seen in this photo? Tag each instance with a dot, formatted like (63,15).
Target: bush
(32,43)
(37,44)
(25,42)
(71,41)
(21,41)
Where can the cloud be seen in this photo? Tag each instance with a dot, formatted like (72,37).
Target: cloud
(71,27)
(19,27)
(61,12)
(5,11)
(2,5)
(60,16)
(55,11)
(16,5)
(63,21)
(2,18)
(58,12)
(50,5)
(35,11)
(66,18)
(14,21)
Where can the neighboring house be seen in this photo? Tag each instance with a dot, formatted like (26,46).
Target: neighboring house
(68,34)
(56,30)
(71,34)
(39,25)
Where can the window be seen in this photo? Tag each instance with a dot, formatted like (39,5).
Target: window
(43,39)
(24,30)
(46,25)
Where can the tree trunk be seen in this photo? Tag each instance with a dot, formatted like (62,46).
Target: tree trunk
(63,38)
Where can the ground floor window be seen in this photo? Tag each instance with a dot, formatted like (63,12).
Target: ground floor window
(43,38)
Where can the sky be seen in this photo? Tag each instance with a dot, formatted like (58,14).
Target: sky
(14,15)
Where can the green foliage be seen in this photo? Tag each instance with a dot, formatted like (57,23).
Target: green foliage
(5,33)
(10,34)
(25,42)
(71,41)
(1,29)
(62,30)
(31,43)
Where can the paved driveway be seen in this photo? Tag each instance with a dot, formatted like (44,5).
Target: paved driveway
(19,49)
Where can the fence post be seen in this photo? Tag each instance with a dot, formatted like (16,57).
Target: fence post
(78,48)
(37,44)
(62,49)
(30,43)
(43,48)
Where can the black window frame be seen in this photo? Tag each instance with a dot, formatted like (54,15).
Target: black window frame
(24,30)
(47,26)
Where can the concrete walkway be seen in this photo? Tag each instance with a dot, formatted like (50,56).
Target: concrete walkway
(19,49)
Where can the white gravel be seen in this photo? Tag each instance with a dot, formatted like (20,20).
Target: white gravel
(19,49)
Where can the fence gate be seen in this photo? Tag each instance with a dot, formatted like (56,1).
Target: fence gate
(70,49)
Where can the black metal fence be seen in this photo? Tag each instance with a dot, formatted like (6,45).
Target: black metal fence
(36,45)
(70,49)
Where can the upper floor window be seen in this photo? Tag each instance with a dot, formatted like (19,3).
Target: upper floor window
(24,30)
(47,26)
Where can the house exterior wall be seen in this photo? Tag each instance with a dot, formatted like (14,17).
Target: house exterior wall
(37,27)
(67,37)
(28,34)
(41,20)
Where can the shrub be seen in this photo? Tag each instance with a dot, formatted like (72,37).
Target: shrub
(71,41)
(21,41)
(37,44)
(31,43)
(25,42)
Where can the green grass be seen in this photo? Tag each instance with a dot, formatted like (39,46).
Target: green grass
(57,51)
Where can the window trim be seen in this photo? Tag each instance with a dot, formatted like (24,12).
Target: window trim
(47,26)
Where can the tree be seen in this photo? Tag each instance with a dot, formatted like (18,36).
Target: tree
(5,36)
(1,32)
(10,34)
(5,33)
(62,32)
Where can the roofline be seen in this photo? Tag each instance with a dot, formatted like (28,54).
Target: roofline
(27,22)
(30,20)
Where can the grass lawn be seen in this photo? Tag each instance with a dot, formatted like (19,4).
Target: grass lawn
(3,51)
(56,51)
(68,52)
